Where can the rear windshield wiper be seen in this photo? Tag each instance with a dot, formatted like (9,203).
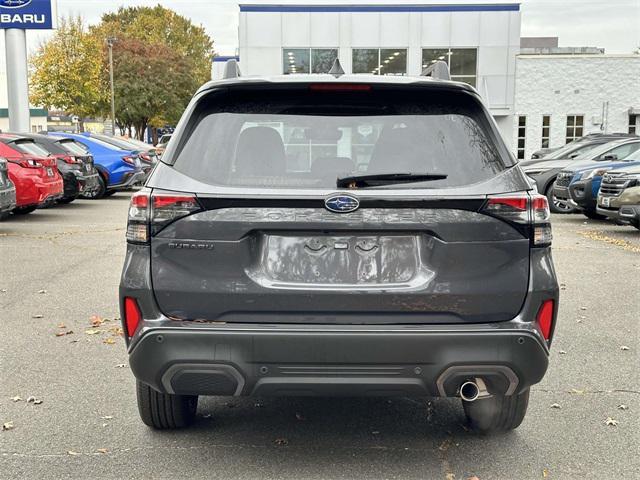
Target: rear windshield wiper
(360,181)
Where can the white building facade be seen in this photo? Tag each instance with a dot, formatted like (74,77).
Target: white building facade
(478,41)
(562,97)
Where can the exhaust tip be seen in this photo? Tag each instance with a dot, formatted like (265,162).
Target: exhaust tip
(469,391)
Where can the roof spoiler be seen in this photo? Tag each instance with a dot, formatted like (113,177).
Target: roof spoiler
(231,69)
(438,70)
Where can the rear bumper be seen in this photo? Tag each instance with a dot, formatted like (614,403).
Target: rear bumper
(88,183)
(7,199)
(130,179)
(325,360)
(581,194)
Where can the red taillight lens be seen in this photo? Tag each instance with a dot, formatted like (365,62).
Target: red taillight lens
(132,315)
(525,210)
(26,162)
(150,213)
(545,318)
(130,160)
(339,87)
(145,157)
(70,159)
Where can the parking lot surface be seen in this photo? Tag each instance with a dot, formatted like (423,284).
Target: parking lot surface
(59,273)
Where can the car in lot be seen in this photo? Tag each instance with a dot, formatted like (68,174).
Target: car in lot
(619,195)
(118,169)
(585,180)
(545,171)
(606,156)
(7,191)
(146,153)
(163,141)
(77,171)
(358,235)
(36,179)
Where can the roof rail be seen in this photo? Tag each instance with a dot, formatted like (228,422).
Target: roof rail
(438,70)
(231,69)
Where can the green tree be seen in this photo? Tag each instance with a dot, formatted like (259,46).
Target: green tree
(66,70)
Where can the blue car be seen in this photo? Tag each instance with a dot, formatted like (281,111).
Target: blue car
(584,179)
(119,169)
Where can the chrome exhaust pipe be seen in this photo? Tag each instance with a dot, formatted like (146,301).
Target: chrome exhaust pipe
(469,391)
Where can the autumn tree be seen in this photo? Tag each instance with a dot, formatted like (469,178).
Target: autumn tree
(66,70)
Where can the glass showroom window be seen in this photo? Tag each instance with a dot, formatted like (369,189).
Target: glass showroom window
(308,60)
(522,134)
(380,61)
(574,127)
(546,128)
(462,62)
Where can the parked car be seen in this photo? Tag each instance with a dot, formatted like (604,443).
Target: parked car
(619,196)
(584,182)
(607,156)
(119,169)
(78,174)
(144,147)
(163,141)
(545,171)
(251,270)
(147,154)
(576,147)
(543,152)
(36,179)
(7,191)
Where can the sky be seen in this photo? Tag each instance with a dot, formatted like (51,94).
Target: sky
(610,24)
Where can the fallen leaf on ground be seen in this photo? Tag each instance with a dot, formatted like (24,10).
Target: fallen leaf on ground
(300,417)
(42,291)
(62,334)
(102,450)
(17,398)
(555,405)
(96,321)
(624,347)
(109,341)
(622,406)
(3,290)
(92,332)
(473,478)
(107,417)
(562,352)
(576,392)
(281,441)
(34,400)
(37,316)
(611,422)
(7,426)
(71,452)
(583,308)
(545,473)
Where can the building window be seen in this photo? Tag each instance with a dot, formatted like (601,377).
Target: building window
(379,61)
(462,62)
(575,127)
(546,128)
(633,129)
(522,134)
(308,60)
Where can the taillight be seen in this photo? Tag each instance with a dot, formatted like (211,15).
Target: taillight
(524,210)
(70,159)
(145,157)
(131,160)
(545,319)
(26,162)
(150,213)
(132,315)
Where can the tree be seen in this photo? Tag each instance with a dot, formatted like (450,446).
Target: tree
(66,70)
(152,83)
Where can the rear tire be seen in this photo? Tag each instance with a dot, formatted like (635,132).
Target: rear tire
(498,413)
(23,210)
(108,193)
(66,200)
(593,215)
(554,205)
(4,216)
(164,411)
(99,193)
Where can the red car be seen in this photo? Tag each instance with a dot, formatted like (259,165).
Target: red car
(36,179)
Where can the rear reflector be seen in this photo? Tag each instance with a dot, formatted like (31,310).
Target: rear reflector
(339,87)
(545,318)
(132,315)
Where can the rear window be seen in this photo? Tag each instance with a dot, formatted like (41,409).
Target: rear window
(30,148)
(74,147)
(302,138)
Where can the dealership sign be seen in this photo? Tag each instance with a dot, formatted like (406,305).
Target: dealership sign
(27,14)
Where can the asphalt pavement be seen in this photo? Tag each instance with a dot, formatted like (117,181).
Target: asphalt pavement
(67,399)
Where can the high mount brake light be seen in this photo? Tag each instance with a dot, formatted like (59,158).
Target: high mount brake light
(150,213)
(524,210)
(339,87)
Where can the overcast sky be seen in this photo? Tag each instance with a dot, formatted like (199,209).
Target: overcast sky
(611,24)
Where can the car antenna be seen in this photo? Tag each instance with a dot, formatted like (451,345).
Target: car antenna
(231,69)
(438,70)
(336,70)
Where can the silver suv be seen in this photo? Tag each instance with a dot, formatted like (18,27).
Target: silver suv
(358,235)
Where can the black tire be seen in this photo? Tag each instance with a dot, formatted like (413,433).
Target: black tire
(636,224)
(593,215)
(108,193)
(165,411)
(23,210)
(497,413)
(66,200)
(554,206)
(99,193)
(4,216)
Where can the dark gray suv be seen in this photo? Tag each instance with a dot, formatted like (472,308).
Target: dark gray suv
(360,235)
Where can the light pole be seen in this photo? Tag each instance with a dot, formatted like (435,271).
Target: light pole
(110,42)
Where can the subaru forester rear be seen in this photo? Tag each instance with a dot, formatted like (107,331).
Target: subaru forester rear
(361,235)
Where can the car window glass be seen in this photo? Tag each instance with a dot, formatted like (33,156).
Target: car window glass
(30,148)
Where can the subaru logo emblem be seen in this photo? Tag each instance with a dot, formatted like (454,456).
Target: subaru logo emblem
(14,3)
(342,203)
